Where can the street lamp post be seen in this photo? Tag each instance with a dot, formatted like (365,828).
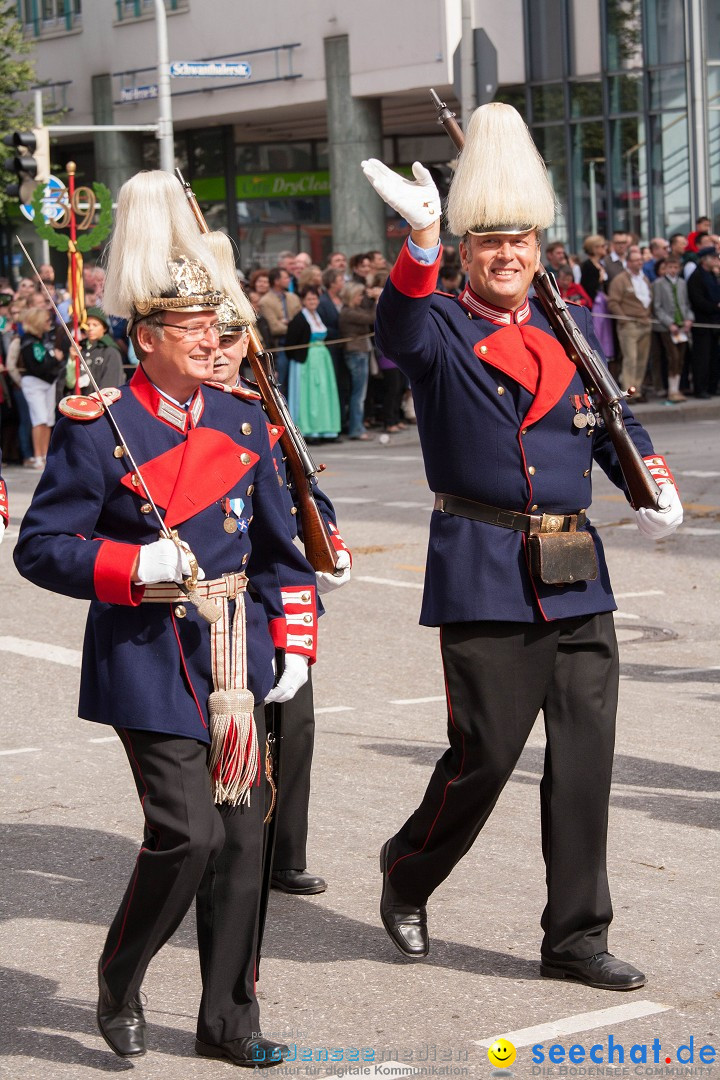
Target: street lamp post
(165,135)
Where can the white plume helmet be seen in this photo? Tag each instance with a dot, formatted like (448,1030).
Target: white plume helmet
(501,182)
(155,232)
(235,308)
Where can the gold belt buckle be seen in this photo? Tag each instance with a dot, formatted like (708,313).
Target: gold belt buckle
(552,523)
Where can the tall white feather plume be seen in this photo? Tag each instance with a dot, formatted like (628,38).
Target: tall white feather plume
(226,280)
(501,182)
(153,225)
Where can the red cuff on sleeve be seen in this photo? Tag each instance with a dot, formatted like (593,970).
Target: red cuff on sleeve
(337,541)
(659,469)
(300,605)
(4,511)
(113,567)
(278,632)
(413,278)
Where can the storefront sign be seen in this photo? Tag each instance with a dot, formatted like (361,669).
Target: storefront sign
(283,185)
(216,69)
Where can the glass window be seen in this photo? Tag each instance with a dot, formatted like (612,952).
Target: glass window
(625,93)
(624,34)
(273,157)
(207,153)
(515,96)
(628,175)
(424,148)
(668,88)
(586,98)
(550,141)
(665,32)
(547,103)
(545,23)
(587,158)
(712,29)
(714,155)
(584,23)
(669,175)
(713,85)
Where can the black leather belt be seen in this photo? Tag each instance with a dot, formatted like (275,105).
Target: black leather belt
(509,519)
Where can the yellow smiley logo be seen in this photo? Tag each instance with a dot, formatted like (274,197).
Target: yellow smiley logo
(502,1054)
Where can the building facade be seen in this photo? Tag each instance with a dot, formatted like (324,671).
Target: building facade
(622,97)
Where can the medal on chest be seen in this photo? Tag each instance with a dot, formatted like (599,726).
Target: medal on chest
(583,420)
(233,522)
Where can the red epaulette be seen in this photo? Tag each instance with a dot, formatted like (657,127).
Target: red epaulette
(80,407)
(239,391)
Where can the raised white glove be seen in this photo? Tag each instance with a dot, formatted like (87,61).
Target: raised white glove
(163,560)
(418,200)
(2,530)
(657,524)
(327,582)
(293,677)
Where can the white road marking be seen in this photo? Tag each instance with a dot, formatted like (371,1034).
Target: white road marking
(390,581)
(334,708)
(686,671)
(624,615)
(409,505)
(416,700)
(21,750)
(569,1025)
(693,530)
(364,456)
(632,595)
(350,499)
(54,877)
(40,650)
(699,474)
(105,738)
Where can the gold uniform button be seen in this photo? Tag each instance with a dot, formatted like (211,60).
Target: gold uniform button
(245,459)
(293,510)
(250,489)
(483,349)
(245,559)
(534,507)
(280,481)
(146,508)
(531,470)
(305,597)
(501,390)
(273,431)
(308,643)
(307,618)
(524,431)
(586,473)
(246,429)
(118,451)
(135,480)
(180,611)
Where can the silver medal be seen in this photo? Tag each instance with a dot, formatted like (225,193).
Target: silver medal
(591,419)
(580,420)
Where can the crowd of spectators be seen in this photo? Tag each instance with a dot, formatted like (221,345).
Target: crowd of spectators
(655,309)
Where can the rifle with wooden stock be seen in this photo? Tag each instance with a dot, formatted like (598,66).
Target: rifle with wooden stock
(599,383)
(319,550)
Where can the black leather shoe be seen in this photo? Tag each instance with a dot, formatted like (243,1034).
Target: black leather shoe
(602,971)
(406,925)
(297,881)
(249,1052)
(121,1026)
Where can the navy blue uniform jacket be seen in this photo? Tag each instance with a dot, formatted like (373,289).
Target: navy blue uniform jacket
(492,431)
(143,666)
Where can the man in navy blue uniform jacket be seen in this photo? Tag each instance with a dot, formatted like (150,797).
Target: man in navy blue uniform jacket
(496,398)
(148,667)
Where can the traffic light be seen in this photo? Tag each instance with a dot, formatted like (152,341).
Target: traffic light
(30,163)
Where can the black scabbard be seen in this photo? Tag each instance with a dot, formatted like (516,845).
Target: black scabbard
(273,722)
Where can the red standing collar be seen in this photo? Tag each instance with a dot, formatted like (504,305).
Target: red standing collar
(500,316)
(162,408)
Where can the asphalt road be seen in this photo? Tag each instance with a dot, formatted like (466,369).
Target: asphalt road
(332,984)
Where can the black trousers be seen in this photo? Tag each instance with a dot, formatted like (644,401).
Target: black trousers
(704,360)
(298,737)
(192,849)
(498,677)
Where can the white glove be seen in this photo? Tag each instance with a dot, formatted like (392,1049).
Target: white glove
(293,677)
(656,524)
(163,560)
(418,200)
(327,582)
(2,530)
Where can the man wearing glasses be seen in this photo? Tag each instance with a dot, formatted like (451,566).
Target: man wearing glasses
(163,665)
